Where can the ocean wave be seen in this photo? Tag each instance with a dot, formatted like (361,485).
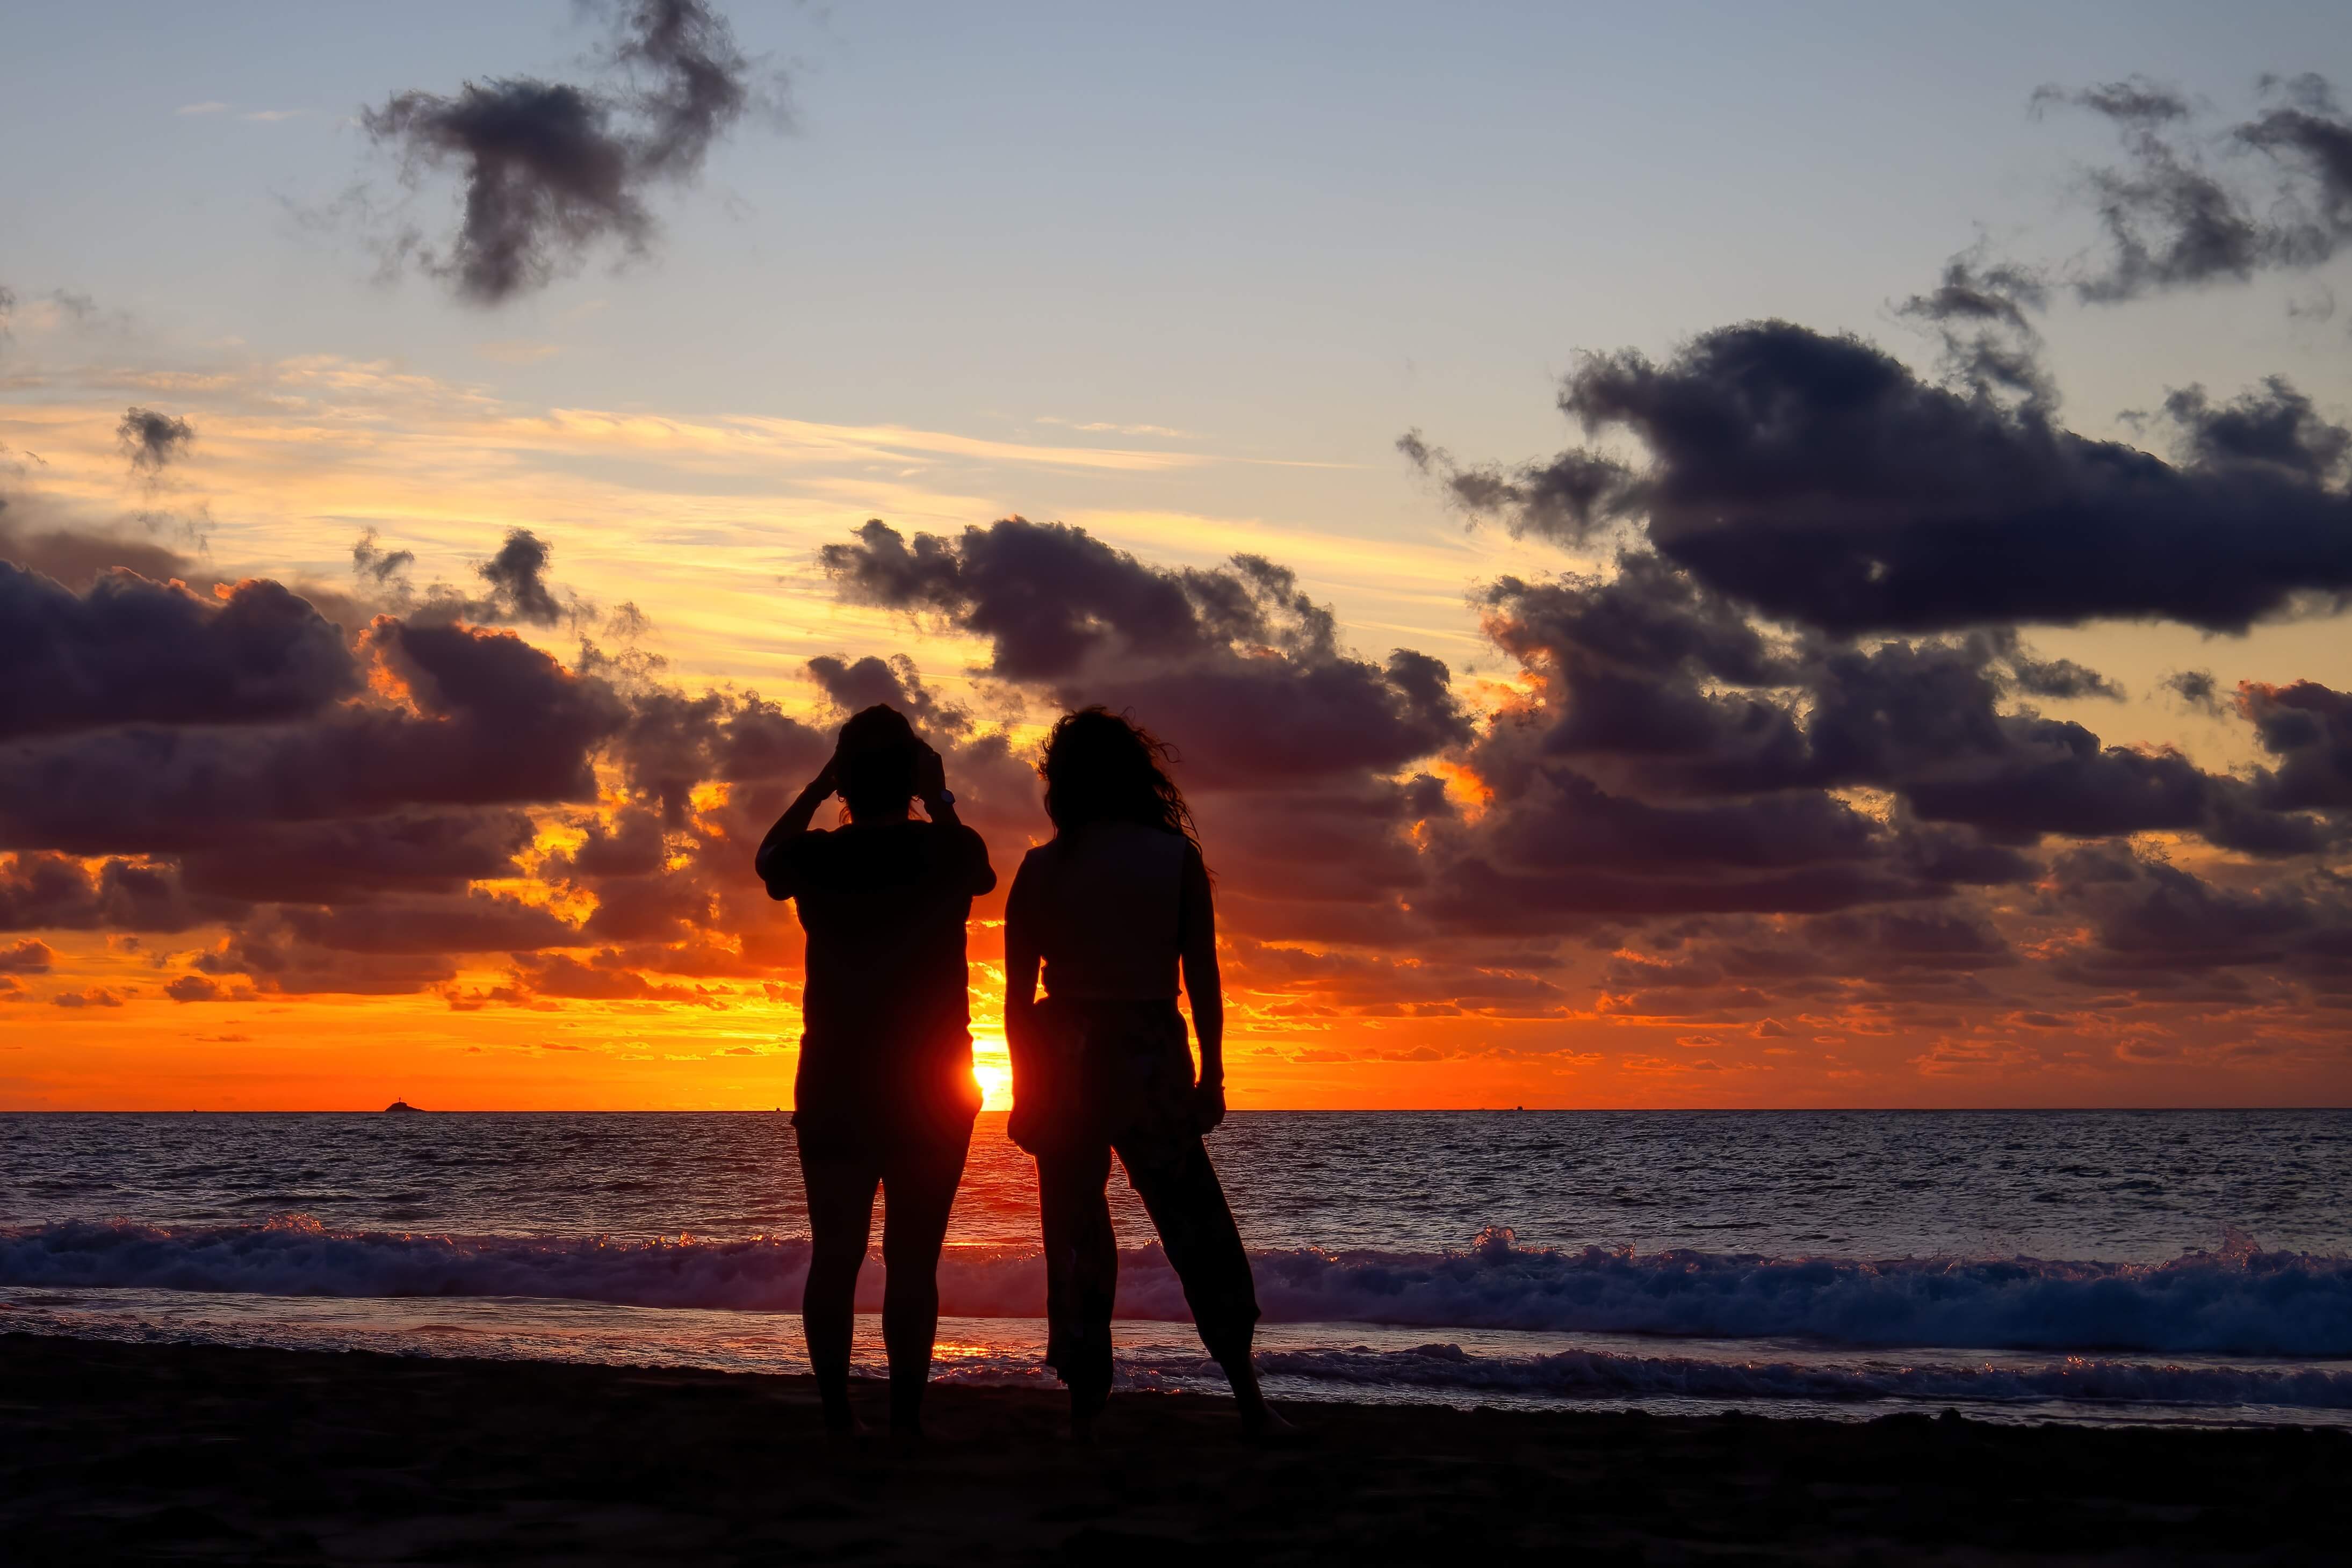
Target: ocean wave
(2239,1301)
(1579,1374)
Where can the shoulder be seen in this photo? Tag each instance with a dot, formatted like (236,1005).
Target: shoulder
(1038,866)
(1167,849)
(802,847)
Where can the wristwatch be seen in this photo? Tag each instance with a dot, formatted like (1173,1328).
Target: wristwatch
(944,798)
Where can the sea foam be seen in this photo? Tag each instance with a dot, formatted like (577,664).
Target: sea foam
(2240,1301)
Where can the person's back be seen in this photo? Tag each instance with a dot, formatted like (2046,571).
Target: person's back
(885,1012)
(1112,914)
(885,1096)
(1105,901)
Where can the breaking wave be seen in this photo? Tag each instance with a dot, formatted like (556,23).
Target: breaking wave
(2239,1301)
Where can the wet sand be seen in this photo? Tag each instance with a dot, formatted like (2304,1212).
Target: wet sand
(187,1453)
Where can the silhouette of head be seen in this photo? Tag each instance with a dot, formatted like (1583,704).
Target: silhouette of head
(1102,767)
(873,763)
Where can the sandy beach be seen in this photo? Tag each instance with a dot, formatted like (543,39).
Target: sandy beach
(188,1453)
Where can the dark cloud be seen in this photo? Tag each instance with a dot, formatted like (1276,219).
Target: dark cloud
(1568,498)
(385,569)
(1236,664)
(561,976)
(1047,596)
(26,958)
(670,742)
(2147,915)
(334,861)
(154,441)
(130,649)
(204,988)
(2276,428)
(2187,208)
(2061,678)
(1816,479)
(1979,311)
(2307,728)
(334,803)
(494,722)
(1653,684)
(2196,688)
(518,579)
(551,171)
(516,587)
(50,892)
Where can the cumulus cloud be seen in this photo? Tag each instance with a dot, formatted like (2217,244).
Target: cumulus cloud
(2306,729)
(1235,663)
(1819,480)
(551,171)
(1298,753)
(351,808)
(131,650)
(1775,756)
(1781,753)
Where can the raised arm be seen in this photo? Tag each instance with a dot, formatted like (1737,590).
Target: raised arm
(1197,934)
(773,867)
(976,875)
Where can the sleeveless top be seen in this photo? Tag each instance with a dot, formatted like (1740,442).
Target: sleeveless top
(1105,901)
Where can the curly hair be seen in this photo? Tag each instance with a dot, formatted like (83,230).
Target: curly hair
(1103,766)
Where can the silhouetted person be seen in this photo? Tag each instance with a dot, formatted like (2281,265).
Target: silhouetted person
(885,1097)
(1112,907)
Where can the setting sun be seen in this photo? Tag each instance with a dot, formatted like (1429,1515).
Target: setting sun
(993,1074)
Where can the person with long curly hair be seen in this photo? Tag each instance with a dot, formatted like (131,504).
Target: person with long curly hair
(1111,910)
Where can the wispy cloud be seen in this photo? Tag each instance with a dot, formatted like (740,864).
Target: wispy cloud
(271,115)
(1104,426)
(517,350)
(210,106)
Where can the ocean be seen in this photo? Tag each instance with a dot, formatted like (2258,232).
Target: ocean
(2162,1266)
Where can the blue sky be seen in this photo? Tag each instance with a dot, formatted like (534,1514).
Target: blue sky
(1297,226)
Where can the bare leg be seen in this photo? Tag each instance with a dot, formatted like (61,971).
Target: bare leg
(1081,1274)
(841,1217)
(918,1189)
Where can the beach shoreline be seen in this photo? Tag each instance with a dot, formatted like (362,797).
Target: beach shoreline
(187,1452)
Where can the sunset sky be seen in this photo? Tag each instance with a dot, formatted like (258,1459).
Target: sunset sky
(1706,556)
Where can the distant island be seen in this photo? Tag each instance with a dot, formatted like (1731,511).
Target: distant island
(401,1108)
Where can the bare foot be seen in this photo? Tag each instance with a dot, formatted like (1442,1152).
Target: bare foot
(1264,1424)
(852,1432)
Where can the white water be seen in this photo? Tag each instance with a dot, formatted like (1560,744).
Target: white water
(2083,1267)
